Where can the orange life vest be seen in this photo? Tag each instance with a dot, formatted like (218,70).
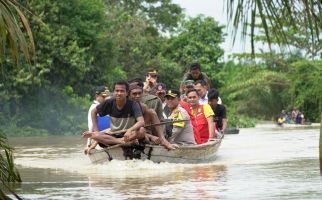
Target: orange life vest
(200,125)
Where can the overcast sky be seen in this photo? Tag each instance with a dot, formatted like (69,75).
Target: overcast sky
(215,9)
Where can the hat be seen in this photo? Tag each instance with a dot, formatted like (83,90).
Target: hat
(173,93)
(161,86)
(152,71)
(188,82)
(134,86)
(102,90)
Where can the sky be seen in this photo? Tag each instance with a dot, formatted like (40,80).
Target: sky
(215,9)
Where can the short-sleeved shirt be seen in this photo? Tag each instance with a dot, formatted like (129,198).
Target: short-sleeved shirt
(220,113)
(206,109)
(120,119)
(182,131)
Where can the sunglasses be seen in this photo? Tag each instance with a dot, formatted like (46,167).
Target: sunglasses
(152,75)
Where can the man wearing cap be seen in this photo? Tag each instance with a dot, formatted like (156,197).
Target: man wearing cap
(160,92)
(187,85)
(150,81)
(194,74)
(150,117)
(150,100)
(202,117)
(181,132)
(125,114)
(220,118)
(101,93)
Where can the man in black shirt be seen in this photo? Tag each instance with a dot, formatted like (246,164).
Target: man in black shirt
(219,109)
(124,114)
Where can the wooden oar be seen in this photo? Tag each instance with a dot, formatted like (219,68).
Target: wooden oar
(147,126)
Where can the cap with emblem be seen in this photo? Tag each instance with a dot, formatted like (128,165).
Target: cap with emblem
(102,90)
(161,86)
(172,93)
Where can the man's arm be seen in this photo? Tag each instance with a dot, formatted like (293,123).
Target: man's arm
(211,127)
(94,120)
(224,125)
(139,123)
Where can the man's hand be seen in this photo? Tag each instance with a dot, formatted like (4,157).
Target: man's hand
(128,136)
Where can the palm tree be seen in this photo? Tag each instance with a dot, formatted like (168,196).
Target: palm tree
(14,31)
(271,14)
(243,13)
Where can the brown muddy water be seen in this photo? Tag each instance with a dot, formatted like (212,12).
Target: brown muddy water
(259,163)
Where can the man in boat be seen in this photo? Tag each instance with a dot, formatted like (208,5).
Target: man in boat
(202,118)
(150,117)
(150,100)
(150,83)
(124,114)
(202,89)
(160,92)
(101,93)
(220,118)
(194,74)
(181,132)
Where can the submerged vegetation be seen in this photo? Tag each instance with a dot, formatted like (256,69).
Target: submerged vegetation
(82,44)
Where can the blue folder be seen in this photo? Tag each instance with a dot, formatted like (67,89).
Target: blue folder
(103,122)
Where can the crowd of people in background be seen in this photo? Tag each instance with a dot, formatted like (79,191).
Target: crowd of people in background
(294,117)
(196,111)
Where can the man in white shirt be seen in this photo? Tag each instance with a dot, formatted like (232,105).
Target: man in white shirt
(202,89)
(101,93)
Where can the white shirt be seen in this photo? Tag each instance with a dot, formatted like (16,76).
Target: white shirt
(204,100)
(89,119)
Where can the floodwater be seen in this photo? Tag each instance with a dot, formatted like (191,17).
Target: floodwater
(259,163)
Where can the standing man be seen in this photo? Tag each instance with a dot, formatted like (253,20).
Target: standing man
(150,83)
(202,118)
(194,74)
(161,91)
(181,132)
(124,114)
(202,89)
(220,118)
(101,93)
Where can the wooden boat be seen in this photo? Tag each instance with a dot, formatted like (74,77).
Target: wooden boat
(231,130)
(185,154)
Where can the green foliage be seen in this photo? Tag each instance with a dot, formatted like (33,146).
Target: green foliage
(8,172)
(305,90)
(198,39)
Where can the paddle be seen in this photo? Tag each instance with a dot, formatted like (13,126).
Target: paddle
(147,126)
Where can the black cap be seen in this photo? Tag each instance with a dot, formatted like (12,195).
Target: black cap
(102,90)
(172,93)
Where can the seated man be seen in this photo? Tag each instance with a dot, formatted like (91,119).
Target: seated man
(150,100)
(182,132)
(202,118)
(124,115)
(150,117)
(220,118)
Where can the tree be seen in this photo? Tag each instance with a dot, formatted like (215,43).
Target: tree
(198,39)
(12,35)
(273,13)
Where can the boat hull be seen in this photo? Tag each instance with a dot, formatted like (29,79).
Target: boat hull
(231,131)
(156,153)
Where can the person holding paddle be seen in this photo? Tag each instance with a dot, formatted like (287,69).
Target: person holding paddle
(150,117)
(124,114)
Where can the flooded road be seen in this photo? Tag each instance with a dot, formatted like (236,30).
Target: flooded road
(258,163)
